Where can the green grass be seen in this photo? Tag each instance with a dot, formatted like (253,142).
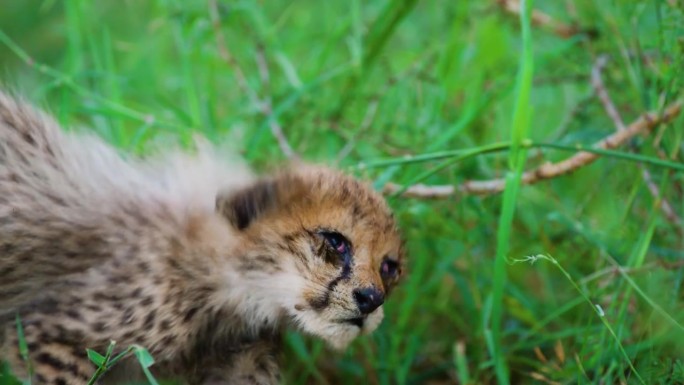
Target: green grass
(436,92)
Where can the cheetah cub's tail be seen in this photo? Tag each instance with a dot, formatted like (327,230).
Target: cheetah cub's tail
(66,198)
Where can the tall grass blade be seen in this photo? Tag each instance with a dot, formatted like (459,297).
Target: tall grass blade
(518,155)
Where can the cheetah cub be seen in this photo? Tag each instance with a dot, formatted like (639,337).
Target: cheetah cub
(196,260)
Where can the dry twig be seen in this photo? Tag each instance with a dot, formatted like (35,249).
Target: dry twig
(542,19)
(602,92)
(615,270)
(264,106)
(267,108)
(608,105)
(226,56)
(368,119)
(644,123)
(372,109)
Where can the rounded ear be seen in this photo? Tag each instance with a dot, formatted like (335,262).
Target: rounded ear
(241,208)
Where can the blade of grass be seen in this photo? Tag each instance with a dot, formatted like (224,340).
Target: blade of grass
(527,144)
(597,308)
(659,309)
(304,355)
(23,348)
(518,156)
(439,167)
(461,363)
(145,360)
(68,81)
(102,365)
(74,58)
(384,26)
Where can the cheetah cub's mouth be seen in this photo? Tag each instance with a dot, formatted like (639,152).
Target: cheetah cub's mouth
(333,249)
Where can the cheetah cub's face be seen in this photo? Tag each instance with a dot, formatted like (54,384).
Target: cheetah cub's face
(329,244)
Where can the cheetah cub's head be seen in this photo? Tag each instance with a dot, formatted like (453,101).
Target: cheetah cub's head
(324,246)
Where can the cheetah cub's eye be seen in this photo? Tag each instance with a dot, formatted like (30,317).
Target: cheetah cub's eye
(337,242)
(389,268)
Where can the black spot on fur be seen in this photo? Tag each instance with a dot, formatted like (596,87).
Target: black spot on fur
(136,293)
(106,297)
(149,319)
(115,279)
(168,341)
(165,325)
(73,369)
(9,269)
(357,212)
(147,301)
(48,306)
(56,200)
(127,316)
(259,263)
(129,335)
(144,267)
(99,327)
(28,138)
(190,314)
(78,351)
(47,359)
(73,314)
(345,192)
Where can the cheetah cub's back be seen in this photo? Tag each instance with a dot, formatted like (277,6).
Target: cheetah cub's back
(195,259)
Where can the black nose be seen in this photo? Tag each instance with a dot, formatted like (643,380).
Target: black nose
(368,299)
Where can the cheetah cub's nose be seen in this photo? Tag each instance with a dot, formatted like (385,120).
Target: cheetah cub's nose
(368,299)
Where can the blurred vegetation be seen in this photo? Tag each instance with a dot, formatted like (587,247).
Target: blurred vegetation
(354,81)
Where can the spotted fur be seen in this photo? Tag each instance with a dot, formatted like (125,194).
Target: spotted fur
(192,257)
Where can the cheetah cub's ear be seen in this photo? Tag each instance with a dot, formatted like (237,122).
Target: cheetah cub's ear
(241,208)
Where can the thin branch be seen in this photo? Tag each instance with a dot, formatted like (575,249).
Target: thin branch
(227,57)
(267,107)
(608,105)
(559,79)
(368,119)
(618,270)
(602,92)
(542,19)
(645,123)
(264,106)
(372,109)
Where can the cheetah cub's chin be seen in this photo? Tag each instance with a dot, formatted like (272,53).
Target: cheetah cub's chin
(339,332)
